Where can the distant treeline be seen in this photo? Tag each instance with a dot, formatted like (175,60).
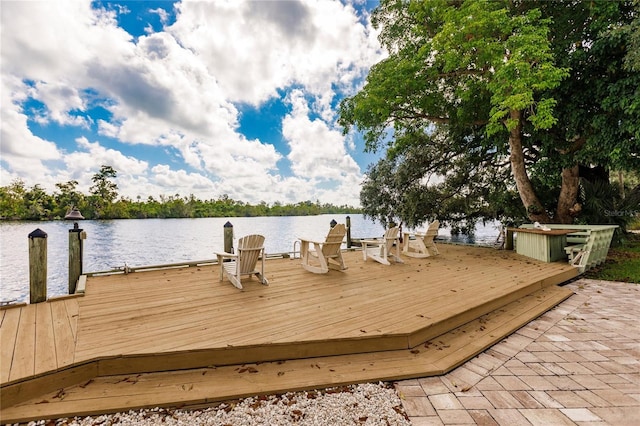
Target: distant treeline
(17,202)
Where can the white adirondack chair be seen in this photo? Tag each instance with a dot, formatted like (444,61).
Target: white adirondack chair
(381,249)
(250,250)
(423,245)
(325,254)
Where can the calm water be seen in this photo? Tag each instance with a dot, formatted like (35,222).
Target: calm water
(112,243)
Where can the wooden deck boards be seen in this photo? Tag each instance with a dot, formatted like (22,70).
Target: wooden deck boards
(186,318)
(207,385)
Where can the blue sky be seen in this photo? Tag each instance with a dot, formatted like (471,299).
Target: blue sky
(188,97)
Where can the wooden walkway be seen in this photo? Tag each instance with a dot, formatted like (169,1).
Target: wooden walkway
(181,337)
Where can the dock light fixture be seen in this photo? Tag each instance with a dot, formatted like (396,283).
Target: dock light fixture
(74,214)
(333,223)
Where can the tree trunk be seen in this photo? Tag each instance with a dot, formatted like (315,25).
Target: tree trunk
(535,210)
(568,194)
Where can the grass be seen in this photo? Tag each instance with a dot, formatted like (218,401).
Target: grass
(622,264)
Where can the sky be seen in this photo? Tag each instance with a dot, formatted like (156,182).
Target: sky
(203,98)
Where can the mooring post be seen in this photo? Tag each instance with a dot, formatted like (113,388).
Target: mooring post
(76,235)
(76,246)
(228,237)
(37,266)
(508,239)
(348,232)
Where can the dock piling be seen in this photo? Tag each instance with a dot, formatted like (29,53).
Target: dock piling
(228,237)
(37,266)
(76,235)
(76,245)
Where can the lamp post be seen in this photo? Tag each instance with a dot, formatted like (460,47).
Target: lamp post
(76,237)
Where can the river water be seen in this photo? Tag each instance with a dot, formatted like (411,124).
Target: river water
(111,244)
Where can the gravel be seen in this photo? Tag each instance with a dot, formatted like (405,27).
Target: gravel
(366,404)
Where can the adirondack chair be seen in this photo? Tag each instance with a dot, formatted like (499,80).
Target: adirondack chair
(250,250)
(325,254)
(423,245)
(381,249)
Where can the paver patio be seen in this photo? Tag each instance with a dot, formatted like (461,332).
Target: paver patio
(578,364)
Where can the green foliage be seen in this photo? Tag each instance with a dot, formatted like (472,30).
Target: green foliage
(12,205)
(420,180)
(602,204)
(67,198)
(103,192)
(19,203)
(632,31)
(599,105)
(622,264)
(479,71)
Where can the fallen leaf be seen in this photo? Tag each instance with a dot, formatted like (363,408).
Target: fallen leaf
(86,384)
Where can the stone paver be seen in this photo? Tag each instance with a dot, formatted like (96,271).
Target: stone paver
(578,364)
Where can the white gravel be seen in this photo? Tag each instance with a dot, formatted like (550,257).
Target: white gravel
(366,404)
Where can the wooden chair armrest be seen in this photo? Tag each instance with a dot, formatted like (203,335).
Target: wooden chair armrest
(372,241)
(225,254)
(311,241)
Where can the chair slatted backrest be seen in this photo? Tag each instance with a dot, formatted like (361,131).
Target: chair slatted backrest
(432,230)
(249,249)
(390,237)
(333,242)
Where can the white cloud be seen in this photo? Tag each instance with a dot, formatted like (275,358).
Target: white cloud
(255,48)
(179,89)
(81,165)
(17,141)
(47,40)
(26,153)
(60,98)
(317,151)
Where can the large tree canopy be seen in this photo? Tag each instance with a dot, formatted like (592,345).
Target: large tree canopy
(480,104)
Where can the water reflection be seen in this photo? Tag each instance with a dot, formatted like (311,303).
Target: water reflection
(113,243)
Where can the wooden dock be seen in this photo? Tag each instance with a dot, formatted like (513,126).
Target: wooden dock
(180,337)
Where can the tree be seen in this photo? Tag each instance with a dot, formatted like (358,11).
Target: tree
(632,31)
(12,200)
(38,203)
(103,191)
(67,198)
(474,89)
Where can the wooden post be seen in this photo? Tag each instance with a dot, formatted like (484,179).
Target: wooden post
(228,237)
(508,239)
(37,266)
(348,232)
(76,237)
